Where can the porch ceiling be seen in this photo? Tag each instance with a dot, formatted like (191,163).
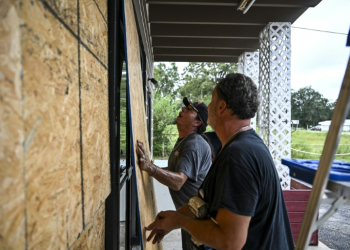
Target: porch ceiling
(213,30)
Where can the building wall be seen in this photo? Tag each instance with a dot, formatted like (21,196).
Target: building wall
(54,134)
(325,125)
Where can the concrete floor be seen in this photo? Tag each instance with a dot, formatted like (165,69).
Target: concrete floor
(173,240)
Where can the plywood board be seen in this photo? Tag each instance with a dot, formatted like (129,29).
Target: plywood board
(12,233)
(51,121)
(145,187)
(65,10)
(95,133)
(93,236)
(93,28)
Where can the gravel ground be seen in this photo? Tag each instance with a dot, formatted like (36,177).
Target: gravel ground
(335,232)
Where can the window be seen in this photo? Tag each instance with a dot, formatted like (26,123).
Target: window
(122,228)
(122,225)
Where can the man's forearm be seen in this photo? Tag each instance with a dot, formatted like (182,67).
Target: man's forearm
(204,231)
(173,180)
(230,231)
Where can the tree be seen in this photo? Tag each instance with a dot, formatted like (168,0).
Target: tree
(167,78)
(199,79)
(310,107)
(165,112)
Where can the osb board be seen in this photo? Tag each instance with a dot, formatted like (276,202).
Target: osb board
(93,236)
(93,28)
(145,187)
(12,233)
(66,10)
(52,141)
(95,132)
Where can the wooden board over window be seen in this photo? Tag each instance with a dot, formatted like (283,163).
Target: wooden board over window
(145,187)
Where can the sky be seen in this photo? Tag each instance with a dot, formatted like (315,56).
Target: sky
(319,59)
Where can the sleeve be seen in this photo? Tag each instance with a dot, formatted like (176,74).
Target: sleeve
(240,192)
(188,164)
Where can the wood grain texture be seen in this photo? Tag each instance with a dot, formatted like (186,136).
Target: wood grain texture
(12,199)
(93,236)
(93,28)
(66,10)
(95,133)
(51,116)
(102,6)
(145,187)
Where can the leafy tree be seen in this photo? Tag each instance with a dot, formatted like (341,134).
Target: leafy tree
(332,107)
(167,77)
(165,112)
(310,107)
(199,79)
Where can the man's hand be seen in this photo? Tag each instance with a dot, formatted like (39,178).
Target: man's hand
(142,155)
(164,223)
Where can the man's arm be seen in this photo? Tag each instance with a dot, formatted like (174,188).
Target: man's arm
(230,232)
(186,211)
(173,180)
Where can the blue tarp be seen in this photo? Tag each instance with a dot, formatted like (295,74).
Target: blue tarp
(305,170)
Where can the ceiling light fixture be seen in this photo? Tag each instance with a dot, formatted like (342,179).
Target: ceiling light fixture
(245,5)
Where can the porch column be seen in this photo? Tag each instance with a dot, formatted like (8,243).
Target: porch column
(274,113)
(248,64)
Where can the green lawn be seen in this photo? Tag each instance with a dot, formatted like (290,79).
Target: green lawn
(313,142)
(303,140)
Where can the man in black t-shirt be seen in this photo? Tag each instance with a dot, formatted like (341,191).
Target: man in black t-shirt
(242,188)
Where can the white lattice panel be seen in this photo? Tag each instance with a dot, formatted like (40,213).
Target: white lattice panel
(240,65)
(275,94)
(248,64)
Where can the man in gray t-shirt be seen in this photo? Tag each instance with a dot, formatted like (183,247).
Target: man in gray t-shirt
(191,157)
(189,161)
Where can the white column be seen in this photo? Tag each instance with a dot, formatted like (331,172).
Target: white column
(275,94)
(248,64)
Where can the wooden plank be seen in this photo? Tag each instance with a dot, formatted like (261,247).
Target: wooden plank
(296,202)
(296,216)
(145,187)
(296,184)
(295,227)
(93,28)
(51,116)
(12,227)
(95,133)
(296,206)
(296,195)
(93,236)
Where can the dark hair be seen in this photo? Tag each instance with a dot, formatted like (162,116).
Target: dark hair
(200,130)
(240,94)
